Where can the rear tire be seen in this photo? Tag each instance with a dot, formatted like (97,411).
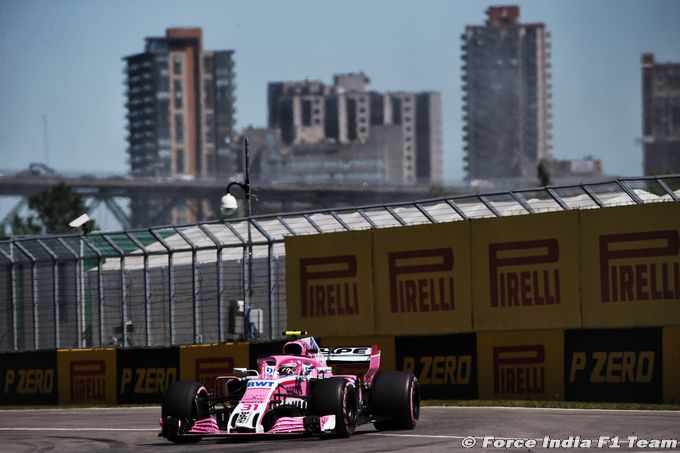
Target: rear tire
(336,396)
(186,401)
(396,395)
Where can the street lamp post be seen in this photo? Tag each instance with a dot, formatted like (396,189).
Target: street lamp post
(229,206)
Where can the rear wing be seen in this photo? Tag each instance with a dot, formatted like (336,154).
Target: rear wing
(354,359)
(348,354)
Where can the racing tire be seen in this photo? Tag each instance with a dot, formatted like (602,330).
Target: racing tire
(336,396)
(395,398)
(186,401)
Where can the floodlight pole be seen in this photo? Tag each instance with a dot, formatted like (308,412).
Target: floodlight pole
(245,186)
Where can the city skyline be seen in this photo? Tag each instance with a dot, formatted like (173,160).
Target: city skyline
(64,60)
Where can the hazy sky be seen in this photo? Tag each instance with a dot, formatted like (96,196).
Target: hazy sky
(63,59)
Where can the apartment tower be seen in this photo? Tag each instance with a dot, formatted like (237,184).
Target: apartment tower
(347,115)
(660,116)
(506,104)
(180,113)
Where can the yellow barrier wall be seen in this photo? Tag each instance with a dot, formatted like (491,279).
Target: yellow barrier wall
(329,283)
(422,279)
(521,365)
(671,365)
(630,266)
(87,376)
(525,272)
(203,363)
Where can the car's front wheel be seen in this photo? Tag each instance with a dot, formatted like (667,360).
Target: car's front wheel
(185,402)
(336,396)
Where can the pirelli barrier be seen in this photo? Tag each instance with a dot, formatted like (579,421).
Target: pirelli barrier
(29,378)
(144,375)
(601,268)
(525,272)
(603,365)
(630,266)
(330,278)
(87,376)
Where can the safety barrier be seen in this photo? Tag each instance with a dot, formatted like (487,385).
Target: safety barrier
(599,365)
(614,267)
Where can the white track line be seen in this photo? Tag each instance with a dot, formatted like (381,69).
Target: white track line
(79,429)
(441,436)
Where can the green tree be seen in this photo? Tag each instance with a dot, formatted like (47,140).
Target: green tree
(54,208)
(543,174)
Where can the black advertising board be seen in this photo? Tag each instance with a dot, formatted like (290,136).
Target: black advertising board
(29,378)
(617,365)
(261,349)
(144,375)
(445,365)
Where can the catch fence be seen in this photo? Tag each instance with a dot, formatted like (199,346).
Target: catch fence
(207,282)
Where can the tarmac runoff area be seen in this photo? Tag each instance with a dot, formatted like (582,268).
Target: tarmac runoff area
(440,429)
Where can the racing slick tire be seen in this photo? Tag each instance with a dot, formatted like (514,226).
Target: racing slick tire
(336,396)
(396,395)
(186,401)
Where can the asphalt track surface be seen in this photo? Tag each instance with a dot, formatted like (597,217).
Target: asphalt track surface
(441,429)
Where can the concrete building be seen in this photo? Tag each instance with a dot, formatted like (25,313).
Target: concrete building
(354,121)
(660,116)
(507,88)
(180,112)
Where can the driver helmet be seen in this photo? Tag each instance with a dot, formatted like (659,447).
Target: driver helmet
(290,368)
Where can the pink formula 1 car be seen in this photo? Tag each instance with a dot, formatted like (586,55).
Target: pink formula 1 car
(295,393)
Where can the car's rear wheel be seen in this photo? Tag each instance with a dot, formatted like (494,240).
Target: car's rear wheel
(185,402)
(336,396)
(395,400)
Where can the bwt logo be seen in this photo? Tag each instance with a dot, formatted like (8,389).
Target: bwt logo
(88,380)
(328,286)
(207,369)
(519,369)
(261,384)
(527,287)
(643,281)
(421,280)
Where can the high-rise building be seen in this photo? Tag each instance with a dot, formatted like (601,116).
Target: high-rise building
(180,112)
(506,85)
(347,118)
(180,102)
(661,116)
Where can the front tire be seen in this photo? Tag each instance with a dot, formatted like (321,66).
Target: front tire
(396,397)
(336,396)
(186,402)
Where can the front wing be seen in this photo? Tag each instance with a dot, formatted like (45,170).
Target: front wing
(284,426)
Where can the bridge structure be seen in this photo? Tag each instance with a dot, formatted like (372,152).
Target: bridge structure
(156,198)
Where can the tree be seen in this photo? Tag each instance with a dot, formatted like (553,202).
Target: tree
(543,174)
(54,208)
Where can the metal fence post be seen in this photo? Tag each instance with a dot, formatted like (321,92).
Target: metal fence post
(55,291)
(171,285)
(78,307)
(147,289)
(34,295)
(12,292)
(219,282)
(196,308)
(270,242)
(100,293)
(123,289)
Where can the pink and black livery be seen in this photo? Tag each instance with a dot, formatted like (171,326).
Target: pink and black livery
(295,393)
